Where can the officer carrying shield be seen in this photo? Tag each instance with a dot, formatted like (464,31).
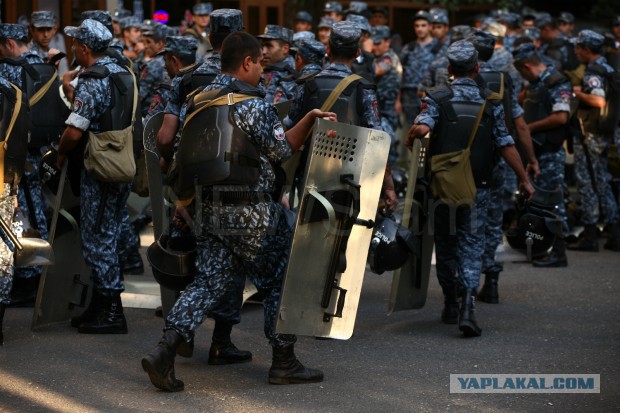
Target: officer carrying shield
(253,237)
(101,204)
(459,232)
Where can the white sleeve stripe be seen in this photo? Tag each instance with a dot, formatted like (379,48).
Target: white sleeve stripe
(78,121)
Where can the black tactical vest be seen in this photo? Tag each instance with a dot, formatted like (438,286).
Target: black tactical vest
(365,69)
(193,81)
(538,105)
(602,120)
(50,113)
(554,51)
(17,145)
(453,129)
(501,83)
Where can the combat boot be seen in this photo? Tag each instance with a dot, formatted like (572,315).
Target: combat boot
(186,348)
(467,321)
(489,293)
(286,369)
(613,238)
(2,308)
(133,265)
(556,258)
(159,364)
(450,312)
(222,350)
(24,291)
(89,315)
(588,241)
(109,319)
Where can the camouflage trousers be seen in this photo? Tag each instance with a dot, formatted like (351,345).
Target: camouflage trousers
(593,182)
(459,241)
(7,208)
(551,166)
(30,195)
(235,242)
(495,214)
(100,239)
(411,105)
(128,240)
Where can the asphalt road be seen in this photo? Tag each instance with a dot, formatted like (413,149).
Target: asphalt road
(548,321)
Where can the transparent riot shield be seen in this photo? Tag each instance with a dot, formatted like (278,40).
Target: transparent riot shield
(327,260)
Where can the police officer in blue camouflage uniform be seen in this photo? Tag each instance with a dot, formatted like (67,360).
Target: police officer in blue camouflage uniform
(309,58)
(556,44)
(279,64)
(43,31)
(258,246)
(153,73)
(200,30)
(364,64)
(416,57)
(101,204)
(13,45)
(459,232)
(546,109)
(591,172)
(440,28)
(388,72)
(512,23)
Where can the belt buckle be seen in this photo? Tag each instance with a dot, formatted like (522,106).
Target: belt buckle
(231,99)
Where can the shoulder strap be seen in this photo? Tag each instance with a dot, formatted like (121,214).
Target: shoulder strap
(555,79)
(440,94)
(476,125)
(500,94)
(98,71)
(3,147)
(228,99)
(335,94)
(41,92)
(187,69)
(135,94)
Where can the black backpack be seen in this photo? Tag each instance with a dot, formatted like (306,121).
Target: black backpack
(610,114)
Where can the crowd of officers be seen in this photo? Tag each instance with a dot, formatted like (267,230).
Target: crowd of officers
(553,86)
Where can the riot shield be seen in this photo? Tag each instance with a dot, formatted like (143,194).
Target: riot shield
(327,260)
(65,284)
(410,282)
(153,171)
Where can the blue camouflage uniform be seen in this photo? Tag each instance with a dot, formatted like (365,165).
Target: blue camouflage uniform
(436,75)
(277,72)
(313,53)
(591,172)
(241,240)
(159,101)
(33,199)
(459,248)
(152,74)
(93,97)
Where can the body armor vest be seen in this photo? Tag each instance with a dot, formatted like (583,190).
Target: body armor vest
(554,51)
(604,121)
(49,113)
(537,105)
(453,129)
(365,68)
(17,145)
(192,81)
(218,155)
(501,83)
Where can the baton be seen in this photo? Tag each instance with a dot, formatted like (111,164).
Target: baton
(9,234)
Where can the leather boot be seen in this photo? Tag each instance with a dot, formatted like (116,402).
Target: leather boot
(133,264)
(467,321)
(159,363)
(588,241)
(450,312)
(488,293)
(186,348)
(109,319)
(613,238)
(222,350)
(2,308)
(286,369)
(556,257)
(88,316)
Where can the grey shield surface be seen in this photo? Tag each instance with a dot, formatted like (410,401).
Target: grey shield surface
(65,284)
(410,282)
(327,260)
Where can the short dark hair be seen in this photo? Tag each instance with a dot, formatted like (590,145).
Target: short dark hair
(4,41)
(217,38)
(236,47)
(186,59)
(520,40)
(461,71)
(346,53)
(97,52)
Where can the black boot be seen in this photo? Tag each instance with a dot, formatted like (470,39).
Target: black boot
(2,308)
(450,312)
(222,350)
(109,319)
(613,238)
(186,348)
(24,291)
(556,257)
(133,263)
(488,293)
(89,315)
(467,321)
(159,364)
(588,241)
(286,369)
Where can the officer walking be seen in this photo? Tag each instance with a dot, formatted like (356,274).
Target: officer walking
(101,204)
(459,232)
(591,172)
(546,110)
(253,237)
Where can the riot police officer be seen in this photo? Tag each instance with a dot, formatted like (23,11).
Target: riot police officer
(459,231)
(101,204)
(279,64)
(153,72)
(253,237)
(201,16)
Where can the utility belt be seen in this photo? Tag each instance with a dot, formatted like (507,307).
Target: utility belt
(234,197)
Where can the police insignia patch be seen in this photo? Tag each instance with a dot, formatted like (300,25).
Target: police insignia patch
(77,105)
(565,96)
(278,132)
(594,82)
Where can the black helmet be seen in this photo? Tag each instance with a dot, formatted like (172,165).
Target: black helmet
(399,176)
(173,261)
(536,231)
(49,174)
(390,246)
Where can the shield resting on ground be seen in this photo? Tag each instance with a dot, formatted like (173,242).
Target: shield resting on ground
(327,260)
(155,177)
(64,285)
(410,282)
